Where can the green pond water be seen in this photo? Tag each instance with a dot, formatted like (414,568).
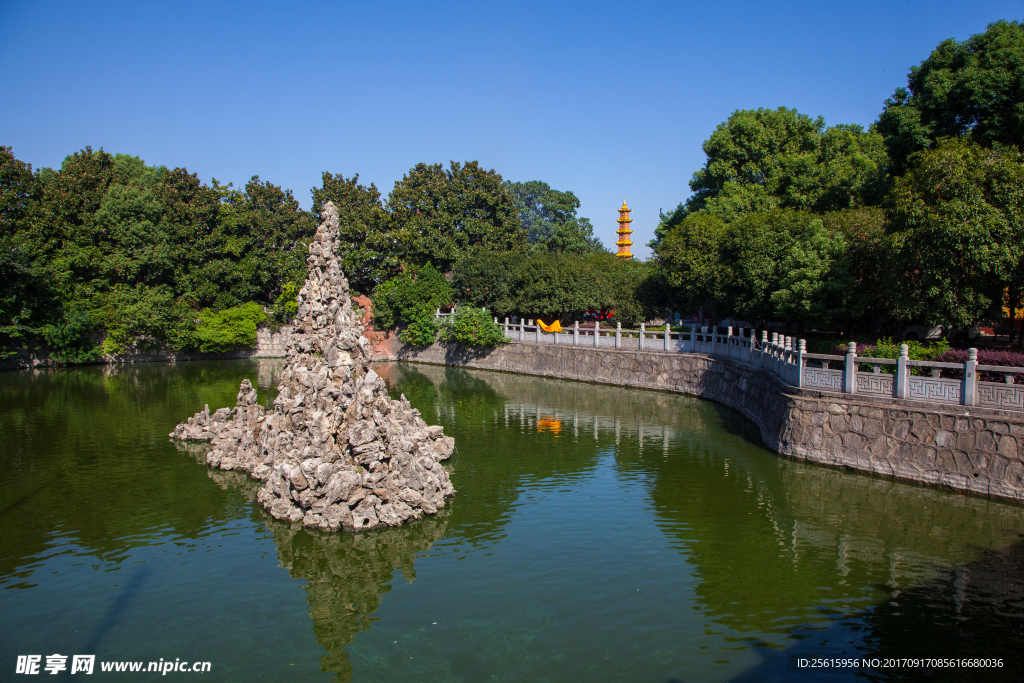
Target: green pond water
(598,534)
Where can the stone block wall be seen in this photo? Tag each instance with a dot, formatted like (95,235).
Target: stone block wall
(271,344)
(969,449)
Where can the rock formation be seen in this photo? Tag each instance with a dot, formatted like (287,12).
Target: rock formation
(335,452)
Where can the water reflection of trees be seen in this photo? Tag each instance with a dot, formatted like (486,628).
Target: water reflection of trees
(975,611)
(475,410)
(777,544)
(85,455)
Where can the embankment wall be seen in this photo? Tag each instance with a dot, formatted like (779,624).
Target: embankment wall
(976,450)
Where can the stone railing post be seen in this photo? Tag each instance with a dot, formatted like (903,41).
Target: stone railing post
(850,373)
(643,332)
(764,345)
(437,313)
(800,353)
(597,333)
(901,383)
(969,392)
(773,353)
(506,326)
(668,334)
(787,356)
(520,329)
(703,339)
(714,339)
(575,332)
(537,329)
(618,335)
(728,341)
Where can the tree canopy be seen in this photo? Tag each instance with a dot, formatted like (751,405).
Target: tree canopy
(548,217)
(957,226)
(972,89)
(764,159)
(109,253)
(440,215)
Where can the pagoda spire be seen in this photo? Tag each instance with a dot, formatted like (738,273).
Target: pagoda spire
(624,232)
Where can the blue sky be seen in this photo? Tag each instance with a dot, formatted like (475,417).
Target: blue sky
(609,100)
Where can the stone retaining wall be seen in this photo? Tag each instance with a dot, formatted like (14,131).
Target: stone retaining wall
(976,450)
(271,344)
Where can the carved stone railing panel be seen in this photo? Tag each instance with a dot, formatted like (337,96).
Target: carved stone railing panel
(996,395)
(790,374)
(817,378)
(872,383)
(934,389)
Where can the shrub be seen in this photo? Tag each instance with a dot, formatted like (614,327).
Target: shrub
(230,329)
(404,298)
(70,340)
(471,326)
(887,348)
(422,330)
(985,357)
(286,304)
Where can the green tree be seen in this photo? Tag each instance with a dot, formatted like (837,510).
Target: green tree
(368,256)
(816,286)
(548,217)
(956,229)
(130,253)
(555,285)
(689,255)
(765,159)
(485,279)
(968,89)
(565,286)
(401,300)
(266,234)
(191,211)
(25,296)
(868,261)
(752,261)
(629,288)
(439,216)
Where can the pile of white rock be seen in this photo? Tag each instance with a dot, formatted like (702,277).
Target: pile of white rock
(335,452)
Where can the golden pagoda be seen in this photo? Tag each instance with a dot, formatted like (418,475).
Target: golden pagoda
(624,232)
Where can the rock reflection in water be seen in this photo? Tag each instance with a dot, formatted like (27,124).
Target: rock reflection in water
(347,575)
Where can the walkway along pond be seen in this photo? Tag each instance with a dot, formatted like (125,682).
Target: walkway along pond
(971,438)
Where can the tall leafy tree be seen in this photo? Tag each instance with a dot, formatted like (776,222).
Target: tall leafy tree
(957,225)
(689,255)
(440,215)
(129,253)
(973,89)
(816,286)
(549,219)
(24,288)
(764,159)
(266,233)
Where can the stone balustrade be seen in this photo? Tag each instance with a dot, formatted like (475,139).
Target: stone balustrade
(787,358)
